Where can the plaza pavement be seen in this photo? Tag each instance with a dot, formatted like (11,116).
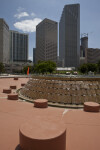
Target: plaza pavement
(83,128)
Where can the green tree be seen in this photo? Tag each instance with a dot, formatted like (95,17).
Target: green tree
(92,67)
(51,66)
(1,67)
(98,66)
(83,68)
(44,67)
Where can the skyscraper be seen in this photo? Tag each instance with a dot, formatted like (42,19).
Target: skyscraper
(46,41)
(18,46)
(4,42)
(34,50)
(92,55)
(69,36)
(84,43)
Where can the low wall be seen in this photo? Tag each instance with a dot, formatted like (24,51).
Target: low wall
(63,90)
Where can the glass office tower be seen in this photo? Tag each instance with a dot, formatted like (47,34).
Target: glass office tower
(69,36)
(18,46)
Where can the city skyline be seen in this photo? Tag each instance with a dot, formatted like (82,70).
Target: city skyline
(23,16)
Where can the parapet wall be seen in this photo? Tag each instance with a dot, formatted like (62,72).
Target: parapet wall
(63,90)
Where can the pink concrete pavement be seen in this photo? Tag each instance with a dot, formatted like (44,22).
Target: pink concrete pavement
(5,83)
(83,128)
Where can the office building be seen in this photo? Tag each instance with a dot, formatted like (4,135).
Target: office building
(4,42)
(84,44)
(81,51)
(34,51)
(46,41)
(92,55)
(18,47)
(69,36)
(82,60)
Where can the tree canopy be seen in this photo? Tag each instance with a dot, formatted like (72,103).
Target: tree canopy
(98,65)
(85,68)
(44,67)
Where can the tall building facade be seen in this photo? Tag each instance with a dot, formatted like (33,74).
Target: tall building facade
(69,36)
(4,42)
(92,55)
(46,41)
(34,51)
(84,44)
(18,47)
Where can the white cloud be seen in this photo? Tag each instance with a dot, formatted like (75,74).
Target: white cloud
(20,15)
(20,9)
(33,14)
(28,25)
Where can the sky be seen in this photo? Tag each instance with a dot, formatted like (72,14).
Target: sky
(24,15)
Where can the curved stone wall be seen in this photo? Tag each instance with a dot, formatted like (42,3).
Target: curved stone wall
(63,90)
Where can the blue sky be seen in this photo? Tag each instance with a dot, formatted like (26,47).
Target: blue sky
(24,15)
